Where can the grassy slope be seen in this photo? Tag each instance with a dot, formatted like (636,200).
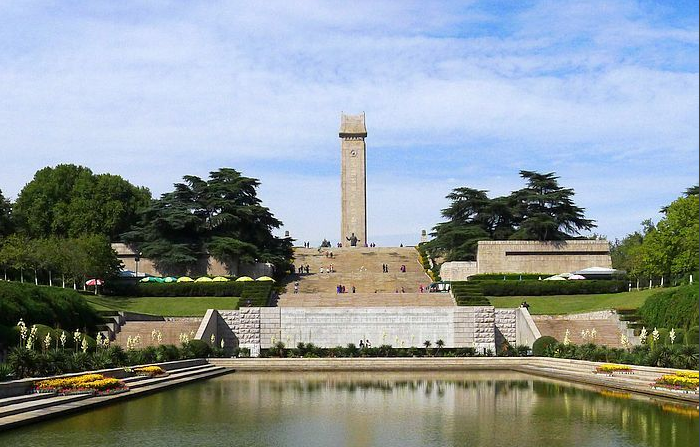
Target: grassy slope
(566,304)
(166,306)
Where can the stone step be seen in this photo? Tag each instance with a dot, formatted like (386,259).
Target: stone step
(131,381)
(9,410)
(25,398)
(365,300)
(176,374)
(361,267)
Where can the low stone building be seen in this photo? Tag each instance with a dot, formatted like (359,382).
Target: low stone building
(530,257)
(208,266)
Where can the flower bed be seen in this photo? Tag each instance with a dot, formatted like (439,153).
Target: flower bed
(680,381)
(610,369)
(150,371)
(85,384)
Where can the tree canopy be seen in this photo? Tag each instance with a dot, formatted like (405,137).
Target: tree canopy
(671,247)
(5,216)
(542,211)
(70,201)
(221,217)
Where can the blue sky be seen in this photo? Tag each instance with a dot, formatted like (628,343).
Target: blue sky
(605,93)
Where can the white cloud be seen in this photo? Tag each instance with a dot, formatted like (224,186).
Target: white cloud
(156,92)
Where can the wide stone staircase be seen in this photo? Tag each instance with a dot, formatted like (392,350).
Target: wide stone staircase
(170,331)
(360,267)
(365,300)
(19,406)
(607,329)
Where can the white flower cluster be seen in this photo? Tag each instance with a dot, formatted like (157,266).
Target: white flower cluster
(133,342)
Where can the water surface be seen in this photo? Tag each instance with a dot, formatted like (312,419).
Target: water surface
(374,409)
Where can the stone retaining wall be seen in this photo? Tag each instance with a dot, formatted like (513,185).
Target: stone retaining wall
(458,327)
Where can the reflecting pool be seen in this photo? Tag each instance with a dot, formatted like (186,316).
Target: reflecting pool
(374,409)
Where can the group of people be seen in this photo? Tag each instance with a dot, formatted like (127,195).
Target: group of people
(303,269)
(329,254)
(341,289)
(329,269)
(307,244)
(385,268)
(525,305)
(365,344)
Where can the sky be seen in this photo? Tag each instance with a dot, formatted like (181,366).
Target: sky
(604,93)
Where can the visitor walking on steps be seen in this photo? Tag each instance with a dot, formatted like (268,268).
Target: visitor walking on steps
(296,287)
(353,289)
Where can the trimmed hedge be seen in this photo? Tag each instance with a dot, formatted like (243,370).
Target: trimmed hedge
(257,291)
(538,288)
(47,305)
(674,308)
(468,293)
(508,276)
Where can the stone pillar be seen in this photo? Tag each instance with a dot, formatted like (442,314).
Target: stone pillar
(506,329)
(249,329)
(484,328)
(353,179)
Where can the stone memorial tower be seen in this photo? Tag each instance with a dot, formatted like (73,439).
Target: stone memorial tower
(353,180)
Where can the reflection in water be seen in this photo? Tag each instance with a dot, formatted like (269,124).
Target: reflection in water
(384,409)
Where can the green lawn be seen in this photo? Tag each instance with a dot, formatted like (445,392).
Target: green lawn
(568,304)
(166,306)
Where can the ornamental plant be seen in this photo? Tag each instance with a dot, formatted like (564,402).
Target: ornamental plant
(150,371)
(679,381)
(567,339)
(610,368)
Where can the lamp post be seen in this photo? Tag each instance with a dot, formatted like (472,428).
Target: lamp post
(137,258)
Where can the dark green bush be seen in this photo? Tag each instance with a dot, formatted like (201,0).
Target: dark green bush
(673,308)
(167,353)
(540,346)
(198,348)
(692,336)
(9,336)
(51,306)
(538,288)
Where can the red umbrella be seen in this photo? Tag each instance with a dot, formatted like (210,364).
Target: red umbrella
(93,282)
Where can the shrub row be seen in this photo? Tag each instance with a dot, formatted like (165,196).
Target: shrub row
(664,356)
(254,290)
(508,276)
(23,363)
(537,288)
(468,293)
(52,306)
(675,308)
(352,350)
